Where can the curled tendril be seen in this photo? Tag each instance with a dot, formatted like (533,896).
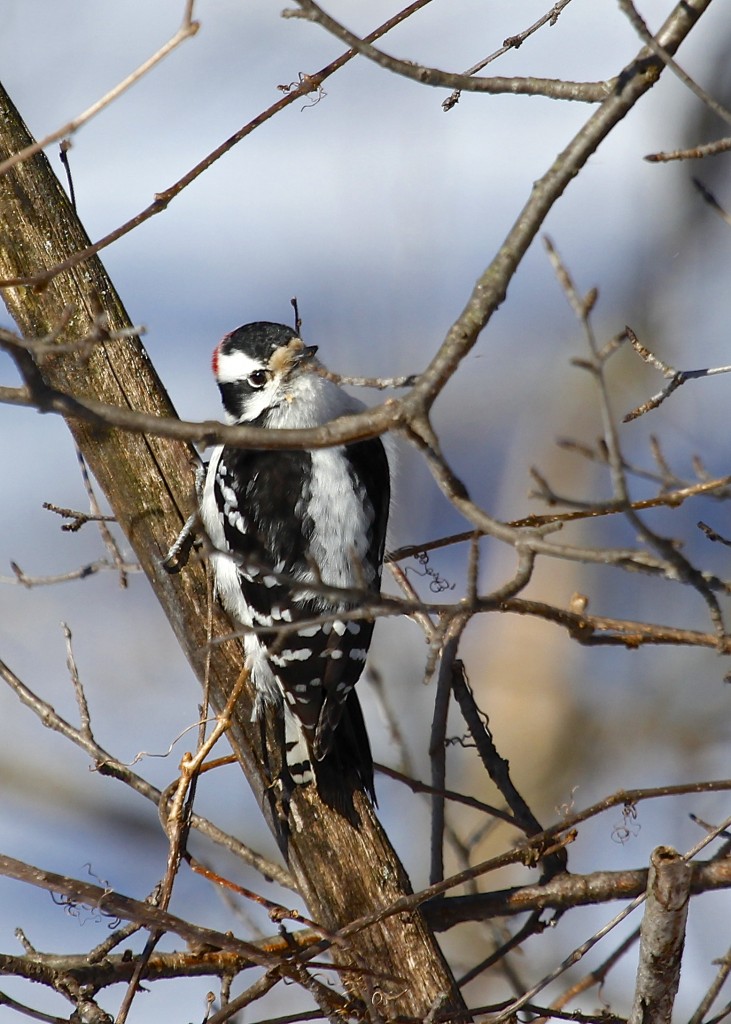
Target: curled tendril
(437,583)
(460,741)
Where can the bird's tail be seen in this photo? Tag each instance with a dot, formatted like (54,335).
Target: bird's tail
(348,764)
(296,748)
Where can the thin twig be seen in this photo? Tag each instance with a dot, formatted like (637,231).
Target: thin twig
(109,765)
(709,198)
(640,26)
(696,153)
(597,976)
(187,29)
(449,794)
(164,197)
(676,377)
(78,519)
(81,701)
(496,766)
(83,572)
(664,546)
(437,756)
(106,534)
(511,43)
(176,813)
(724,969)
(554,88)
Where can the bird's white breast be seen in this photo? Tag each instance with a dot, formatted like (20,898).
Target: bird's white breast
(340,521)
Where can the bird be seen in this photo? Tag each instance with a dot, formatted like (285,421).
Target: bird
(297,542)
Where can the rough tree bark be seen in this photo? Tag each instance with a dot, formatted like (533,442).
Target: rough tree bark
(343,873)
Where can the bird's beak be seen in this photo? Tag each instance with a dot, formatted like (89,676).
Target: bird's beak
(306,356)
(284,360)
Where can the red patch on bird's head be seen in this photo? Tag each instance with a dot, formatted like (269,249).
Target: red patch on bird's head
(214,360)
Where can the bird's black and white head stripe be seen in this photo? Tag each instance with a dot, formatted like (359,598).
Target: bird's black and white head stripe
(278,518)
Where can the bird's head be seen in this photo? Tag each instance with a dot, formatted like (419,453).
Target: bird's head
(258,368)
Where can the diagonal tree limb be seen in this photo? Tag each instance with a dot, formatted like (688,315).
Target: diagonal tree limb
(343,872)
(565,891)
(637,78)
(498,768)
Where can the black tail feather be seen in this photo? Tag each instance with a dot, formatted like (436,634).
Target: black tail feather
(348,765)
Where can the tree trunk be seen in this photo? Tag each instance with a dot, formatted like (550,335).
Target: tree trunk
(343,872)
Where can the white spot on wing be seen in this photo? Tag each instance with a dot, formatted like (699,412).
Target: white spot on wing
(286,657)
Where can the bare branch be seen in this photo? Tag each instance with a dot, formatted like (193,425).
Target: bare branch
(718,872)
(564,892)
(709,198)
(188,28)
(662,937)
(599,630)
(489,291)
(113,969)
(656,46)
(511,43)
(449,794)
(78,519)
(40,395)
(696,153)
(379,383)
(27,1011)
(164,198)
(676,377)
(497,767)
(115,904)
(107,764)
(665,547)
(714,989)
(90,569)
(109,542)
(557,89)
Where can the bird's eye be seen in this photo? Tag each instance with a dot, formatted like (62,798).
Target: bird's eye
(258,378)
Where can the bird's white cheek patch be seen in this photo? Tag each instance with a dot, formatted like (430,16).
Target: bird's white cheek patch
(235,366)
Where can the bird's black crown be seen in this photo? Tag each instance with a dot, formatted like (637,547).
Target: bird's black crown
(258,340)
